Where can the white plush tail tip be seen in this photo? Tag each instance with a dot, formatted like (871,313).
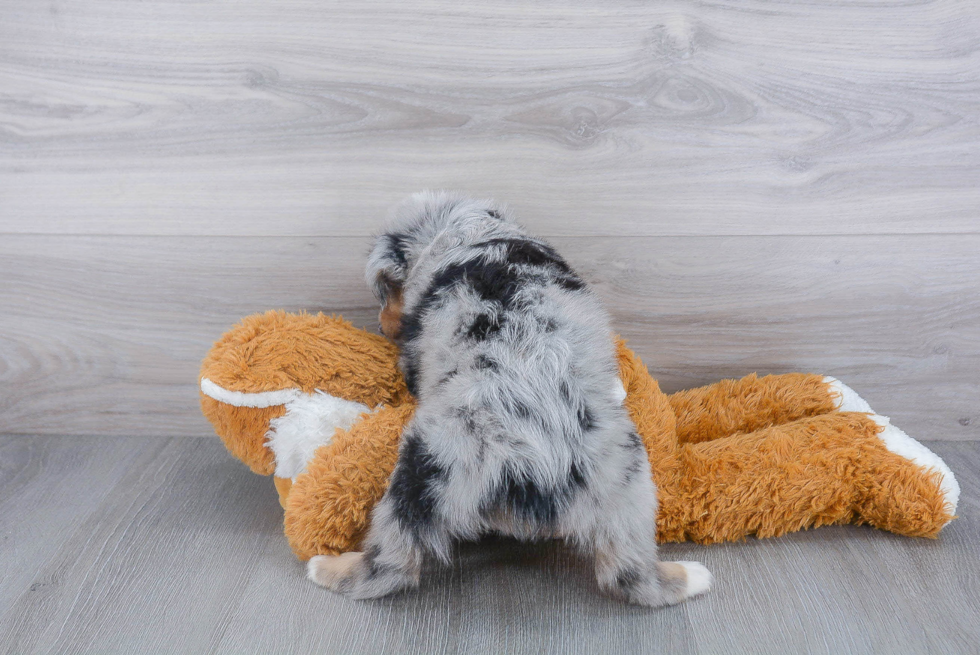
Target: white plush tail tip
(699,579)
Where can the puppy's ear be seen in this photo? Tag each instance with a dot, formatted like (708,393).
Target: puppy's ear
(387,267)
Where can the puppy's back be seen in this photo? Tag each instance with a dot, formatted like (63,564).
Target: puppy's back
(512,361)
(520,426)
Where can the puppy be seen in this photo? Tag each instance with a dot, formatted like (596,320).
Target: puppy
(520,427)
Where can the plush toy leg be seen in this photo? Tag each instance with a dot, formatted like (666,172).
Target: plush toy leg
(833,468)
(895,440)
(750,404)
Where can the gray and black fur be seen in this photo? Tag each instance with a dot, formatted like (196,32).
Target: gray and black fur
(520,427)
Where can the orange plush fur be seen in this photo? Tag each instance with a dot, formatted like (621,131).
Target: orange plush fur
(758,456)
(275,351)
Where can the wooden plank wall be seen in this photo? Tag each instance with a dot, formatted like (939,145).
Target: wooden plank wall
(751,186)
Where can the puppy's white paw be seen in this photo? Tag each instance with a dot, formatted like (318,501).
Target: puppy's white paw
(331,570)
(699,579)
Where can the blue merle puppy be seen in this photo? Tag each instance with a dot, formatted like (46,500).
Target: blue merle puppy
(520,427)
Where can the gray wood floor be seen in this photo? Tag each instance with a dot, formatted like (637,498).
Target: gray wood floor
(149,545)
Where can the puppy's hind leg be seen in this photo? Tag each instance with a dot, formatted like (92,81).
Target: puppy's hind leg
(626,550)
(404,527)
(390,562)
(638,577)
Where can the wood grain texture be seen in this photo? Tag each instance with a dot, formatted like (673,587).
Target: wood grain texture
(614,118)
(175,547)
(104,335)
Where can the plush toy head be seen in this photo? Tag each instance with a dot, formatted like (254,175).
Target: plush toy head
(271,364)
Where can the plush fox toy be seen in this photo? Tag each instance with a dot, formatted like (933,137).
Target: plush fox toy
(321,405)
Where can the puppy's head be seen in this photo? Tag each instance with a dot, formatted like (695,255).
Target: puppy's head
(387,271)
(412,228)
